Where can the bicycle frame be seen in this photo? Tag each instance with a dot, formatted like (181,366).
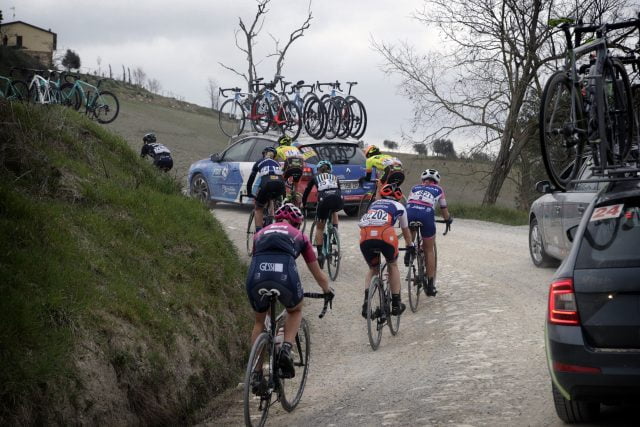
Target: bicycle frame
(10,92)
(86,98)
(42,87)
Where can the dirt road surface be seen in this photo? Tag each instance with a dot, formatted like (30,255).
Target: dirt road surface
(473,355)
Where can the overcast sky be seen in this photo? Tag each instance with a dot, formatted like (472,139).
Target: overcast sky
(180,43)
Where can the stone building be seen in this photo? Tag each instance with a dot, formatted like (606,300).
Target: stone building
(34,41)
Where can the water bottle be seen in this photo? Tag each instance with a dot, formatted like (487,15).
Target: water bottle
(279,339)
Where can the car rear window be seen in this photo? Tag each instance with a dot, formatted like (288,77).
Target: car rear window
(339,154)
(612,237)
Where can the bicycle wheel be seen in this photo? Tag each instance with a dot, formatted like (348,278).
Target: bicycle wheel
(314,117)
(105,107)
(375,312)
(231,118)
(332,118)
(250,233)
(69,97)
(562,129)
(618,111)
(346,120)
(256,406)
(293,120)
(333,257)
(20,90)
(413,281)
(364,205)
(293,388)
(392,321)
(358,117)
(312,233)
(260,114)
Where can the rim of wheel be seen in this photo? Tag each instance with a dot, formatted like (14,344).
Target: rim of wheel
(535,243)
(200,189)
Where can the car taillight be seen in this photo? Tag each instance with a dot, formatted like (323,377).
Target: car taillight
(562,303)
(579,369)
(307,171)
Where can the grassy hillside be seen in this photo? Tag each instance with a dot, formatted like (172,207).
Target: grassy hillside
(122,301)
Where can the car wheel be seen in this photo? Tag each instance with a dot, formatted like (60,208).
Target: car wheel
(574,411)
(199,189)
(351,210)
(536,246)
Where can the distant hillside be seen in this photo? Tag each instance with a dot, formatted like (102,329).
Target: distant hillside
(122,300)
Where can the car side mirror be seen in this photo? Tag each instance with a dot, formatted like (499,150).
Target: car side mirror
(571,233)
(216,157)
(544,187)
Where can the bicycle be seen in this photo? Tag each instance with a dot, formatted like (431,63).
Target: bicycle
(330,247)
(99,104)
(346,115)
(604,94)
(233,112)
(41,90)
(13,90)
(268,217)
(417,275)
(313,111)
(370,197)
(269,111)
(264,358)
(379,306)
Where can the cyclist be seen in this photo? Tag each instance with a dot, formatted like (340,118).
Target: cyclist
(390,167)
(293,163)
(161,154)
(273,265)
(271,184)
(329,201)
(377,234)
(421,207)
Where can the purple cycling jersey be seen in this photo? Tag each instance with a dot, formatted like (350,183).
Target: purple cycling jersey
(282,237)
(427,195)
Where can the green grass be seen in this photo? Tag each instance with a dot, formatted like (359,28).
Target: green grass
(499,214)
(101,250)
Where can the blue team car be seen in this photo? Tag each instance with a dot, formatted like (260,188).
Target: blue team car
(223,177)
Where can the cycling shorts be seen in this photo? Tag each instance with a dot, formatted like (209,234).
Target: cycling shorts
(164,163)
(293,167)
(424,214)
(271,187)
(392,175)
(273,271)
(383,239)
(327,205)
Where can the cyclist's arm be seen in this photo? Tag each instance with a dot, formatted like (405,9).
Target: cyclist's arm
(403,222)
(368,168)
(280,157)
(145,150)
(252,177)
(307,190)
(445,213)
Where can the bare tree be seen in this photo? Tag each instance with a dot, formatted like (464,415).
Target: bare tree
(248,34)
(213,92)
(154,85)
(139,76)
(391,145)
(494,53)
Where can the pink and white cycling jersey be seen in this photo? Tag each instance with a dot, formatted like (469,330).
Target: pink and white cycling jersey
(427,195)
(384,213)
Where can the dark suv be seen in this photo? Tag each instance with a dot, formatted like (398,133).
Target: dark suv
(593,321)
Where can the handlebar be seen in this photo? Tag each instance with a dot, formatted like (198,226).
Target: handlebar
(335,85)
(448,227)
(328,300)
(233,89)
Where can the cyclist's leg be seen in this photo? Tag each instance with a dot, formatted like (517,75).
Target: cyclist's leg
(293,304)
(322,214)
(390,252)
(428,239)
(368,247)
(260,305)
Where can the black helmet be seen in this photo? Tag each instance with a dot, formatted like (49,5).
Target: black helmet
(149,138)
(269,150)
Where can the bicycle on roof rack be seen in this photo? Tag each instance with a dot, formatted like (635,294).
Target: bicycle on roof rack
(270,111)
(587,108)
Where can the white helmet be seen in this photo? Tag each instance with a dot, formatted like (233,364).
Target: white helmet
(430,174)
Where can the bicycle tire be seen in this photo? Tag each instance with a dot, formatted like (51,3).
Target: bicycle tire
(346,120)
(33,95)
(332,119)
(620,120)
(314,117)
(561,137)
(260,114)
(359,117)
(256,408)
(392,321)
(231,118)
(333,257)
(105,107)
(69,96)
(20,90)
(250,233)
(300,353)
(293,120)
(312,230)
(374,312)
(413,278)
